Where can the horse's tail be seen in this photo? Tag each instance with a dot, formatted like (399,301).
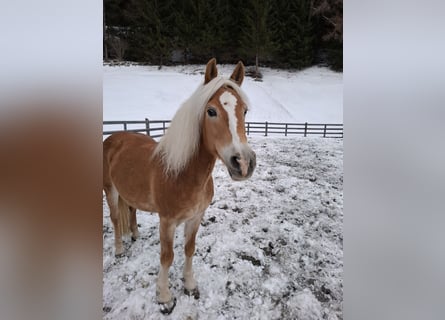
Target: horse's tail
(123,216)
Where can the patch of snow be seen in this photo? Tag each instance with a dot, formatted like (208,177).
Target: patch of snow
(270,247)
(314,95)
(304,305)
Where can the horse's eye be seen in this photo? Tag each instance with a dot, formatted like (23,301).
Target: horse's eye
(245,112)
(211,112)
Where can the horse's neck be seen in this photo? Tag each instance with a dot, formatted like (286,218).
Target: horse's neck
(200,166)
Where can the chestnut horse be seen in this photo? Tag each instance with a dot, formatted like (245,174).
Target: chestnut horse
(174,177)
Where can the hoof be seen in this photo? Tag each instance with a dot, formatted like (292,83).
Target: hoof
(119,250)
(119,255)
(167,307)
(135,235)
(193,292)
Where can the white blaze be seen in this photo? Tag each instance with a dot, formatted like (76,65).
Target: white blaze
(228,101)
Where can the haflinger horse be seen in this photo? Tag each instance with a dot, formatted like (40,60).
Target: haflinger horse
(174,177)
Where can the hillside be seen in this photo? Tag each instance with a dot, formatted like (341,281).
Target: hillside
(138,92)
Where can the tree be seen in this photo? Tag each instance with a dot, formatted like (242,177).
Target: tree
(118,46)
(208,29)
(111,18)
(255,39)
(278,33)
(104,36)
(292,33)
(328,15)
(161,29)
(331,11)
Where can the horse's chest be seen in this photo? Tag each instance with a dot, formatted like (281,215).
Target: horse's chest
(194,204)
(185,203)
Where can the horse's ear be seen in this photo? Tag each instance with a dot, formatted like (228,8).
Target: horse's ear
(211,71)
(238,73)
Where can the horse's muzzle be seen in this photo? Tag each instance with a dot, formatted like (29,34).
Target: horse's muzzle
(241,164)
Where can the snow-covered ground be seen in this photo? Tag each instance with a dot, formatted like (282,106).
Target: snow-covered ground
(314,95)
(268,248)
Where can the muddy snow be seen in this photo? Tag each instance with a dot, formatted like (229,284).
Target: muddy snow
(268,248)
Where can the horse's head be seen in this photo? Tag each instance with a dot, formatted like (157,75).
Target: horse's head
(224,132)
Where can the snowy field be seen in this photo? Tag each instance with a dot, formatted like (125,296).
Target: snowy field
(268,248)
(314,95)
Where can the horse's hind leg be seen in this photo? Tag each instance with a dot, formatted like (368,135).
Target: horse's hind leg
(190,230)
(112,200)
(164,296)
(133,224)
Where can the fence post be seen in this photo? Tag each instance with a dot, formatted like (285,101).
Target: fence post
(266,129)
(163,126)
(125,126)
(324,131)
(305,129)
(285,131)
(248,128)
(147,126)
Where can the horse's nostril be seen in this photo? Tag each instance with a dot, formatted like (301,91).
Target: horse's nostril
(234,162)
(252,163)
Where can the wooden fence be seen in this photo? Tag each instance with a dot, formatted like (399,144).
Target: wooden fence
(157,128)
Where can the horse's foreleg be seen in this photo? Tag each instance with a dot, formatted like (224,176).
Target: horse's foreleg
(190,230)
(133,224)
(164,296)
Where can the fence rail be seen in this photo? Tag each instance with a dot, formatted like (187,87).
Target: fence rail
(157,128)
(153,128)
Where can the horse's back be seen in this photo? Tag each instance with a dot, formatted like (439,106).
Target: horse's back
(121,141)
(127,152)
(127,139)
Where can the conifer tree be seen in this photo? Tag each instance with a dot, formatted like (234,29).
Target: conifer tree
(283,33)
(328,15)
(160,16)
(255,35)
(292,33)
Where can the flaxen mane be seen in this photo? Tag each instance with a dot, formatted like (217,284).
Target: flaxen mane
(181,140)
